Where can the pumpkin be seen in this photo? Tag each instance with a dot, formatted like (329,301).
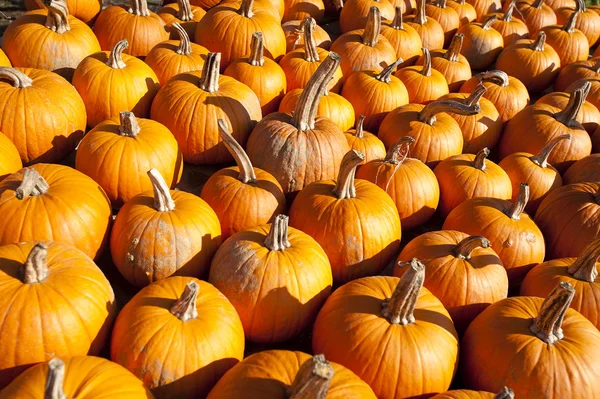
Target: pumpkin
(233,38)
(542,178)
(183,13)
(541,123)
(242,196)
(511,29)
(576,71)
(364,49)
(84,10)
(588,115)
(446,16)
(88,377)
(173,57)
(49,39)
(593,92)
(485,7)
(101,78)
(142,28)
(423,83)
(354,13)
(587,21)
(281,374)
(294,35)
(514,236)
(596,141)
(179,336)
(409,182)
(365,142)
(299,65)
(190,104)
(263,75)
(481,44)
(536,15)
(467,176)
(375,95)
(10,161)
(4,61)
(478,277)
(505,393)
(558,4)
(300,9)
(431,32)
(450,63)
(368,314)
(407,6)
(404,38)
(144,143)
(584,170)
(73,302)
(437,135)
(570,44)
(533,341)
(274,7)
(508,94)
(466,12)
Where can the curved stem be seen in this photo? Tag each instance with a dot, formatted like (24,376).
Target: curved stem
(344,186)
(427,114)
(210,73)
(247,174)
(541,159)
(538,4)
(547,325)
(277,239)
(398,152)
(568,116)
(257,50)
(495,76)
(479,161)
(540,42)
(57,19)
(505,393)
(465,248)
(185,13)
(246,8)
(397,22)
(310,47)
(33,184)
(185,46)
(420,17)
(488,22)
(18,79)
(569,26)
(400,308)
(313,379)
(163,202)
(385,76)
(596,67)
(55,380)
(139,7)
(185,306)
(580,6)
(359,133)
(115,58)
(476,94)
(584,268)
(453,52)
(507,17)
(129,125)
(35,269)
(517,207)
(441,3)
(426,71)
(370,35)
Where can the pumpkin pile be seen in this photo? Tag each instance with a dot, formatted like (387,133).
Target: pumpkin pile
(300,199)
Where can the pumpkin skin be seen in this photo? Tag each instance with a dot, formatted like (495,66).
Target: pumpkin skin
(184,14)
(269,373)
(101,78)
(248,270)
(588,115)
(536,15)
(450,63)
(482,44)
(365,142)
(203,98)
(570,43)
(593,92)
(25,94)
(59,47)
(294,36)
(431,32)
(84,10)
(576,71)
(484,7)
(511,29)
(404,38)
(300,9)
(10,161)
(88,377)
(144,143)
(447,17)
(69,292)
(558,4)
(4,61)
(354,13)
(142,28)
(584,170)
(206,339)
(469,394)
(466,12)
(478,277)
(409,182)
(423,83)
(587,21)
(274,7)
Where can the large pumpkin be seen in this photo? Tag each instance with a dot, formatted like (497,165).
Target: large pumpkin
(190,104)
(579,70)
(584,170)
(331,106)
(588,116)
(423,83)
(354,13)
(430,30)
(183,13)
(505,393)
(60,295)
(536,15)
(365,142)
(179,336)
(570,43)
(587,21)
(404,38)
(511,29)
(10,161)
(482,44)
(450,63)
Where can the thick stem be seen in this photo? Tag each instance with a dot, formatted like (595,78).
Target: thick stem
(420,17)
(115,58)
(33,184)
(397,22)
(58,16)
(310,46)
(247,174)
(257,50)
(428,114)
(210,73)
(398,152)
(246,8)
(488,22)
(541,159)
(547,325)
(277,239)
(129,125)
(359,133)
(476,94)
(370,35)
(453,52)
(17,78)
(540,42)
(185,306)
(55,380)
(426,71)
(517,207)
(479,161)
(505,393)
(538,4)
(569,26)
(584,268)
(568,116)
(35,269)
(495,76)
(163,202)
(400,308)
(596,67)
(465,248)
(441,3)
(139,7)
(185,46)
(507,17)
(385,76)
(313,379)
(185,13)
(344,186)
(580,6)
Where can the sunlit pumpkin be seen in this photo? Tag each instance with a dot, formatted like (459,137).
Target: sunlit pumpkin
(294,35)
(578,70)
(446,16)
(588,114)
(505,393)
(482,44)
(536,15)
(404,38)
(183,13)
(365,142)
(300,9)
(331,106)
(584,170)
(430,30)
(511,29)
(485,7)
(587,21)
(423,83)
(453,65)
(354,13)
(84,10)
(466,12)
(570,43)
(10,161)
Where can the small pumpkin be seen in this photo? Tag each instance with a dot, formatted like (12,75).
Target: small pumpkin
(446,16)
(592,92)
(183,13)
(300,9)
(331,106)
(404,38)
(294,35)
(485,7)
(585,170)
(466,12)
(558,4)
(536,15)
(84,10)
(587,21)
(10,161)
(588,114)
(481,44)
(354,13)
(511,29)
(505,393)
(365,142)
(576,71)
(570,43)
(431,32)
(450,63)
(423,83)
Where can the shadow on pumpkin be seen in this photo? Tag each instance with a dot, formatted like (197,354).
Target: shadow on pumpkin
(142,107)
(62,147)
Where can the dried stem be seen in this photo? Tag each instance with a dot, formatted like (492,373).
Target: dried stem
(488,22)
(310,47)
(55,380)
(277,239)
(547,325)
(505,393)
(139,7)
(495,76)
(185,13)
(453,52)
(397,22)
(344,187)
(257,50)
(57,19)
(465,248)
(210,73)
(163,202)
(568,116)
(129,125)
(370,35)
(247,174)
(115,58)
(35,269)
(420,17)
(385,76)
(537,4)
(185,307)
(479,161)
(539,43)
(517,207)
(428,114)
(398,152)
(584,268)
(18,79)
(476,95)
(441,3)
(541,159)
(185,46)
(507,17)
(313,379)
(569,26)
(359,133)
(400,308)
(426,71)
(246,8)
(33,184)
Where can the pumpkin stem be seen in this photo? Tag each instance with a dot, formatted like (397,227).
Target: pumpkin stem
(479,161)
(428,114)
(580,6)
(129,125)
(569,26)
(441,3)
(420,17)
(35,269)
(517,207)
(257,50)
(359,132)
(385,76)
(57,19)
(569,114)
(185,306)
(33,184)
(541,159)
(185,13)
(306,109)
(397,22)
(313,379)
(19,79)
(547,325)
(185,46)
(398,152)
(505,393)
(210,73)
(400,308)
(344,186)
(495,76)
(538,4)
(163,202)
(507,17)
(115,58)
(370,35)
(246,8)
(465,248)
(584,267)
(596,67)
(453,52)
(488,22)
(247,174)
(310,47)
(277,239)
(139,7)
(540,42)
(55,380)
(426,71)
(476,95)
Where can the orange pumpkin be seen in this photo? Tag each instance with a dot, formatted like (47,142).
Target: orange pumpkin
(365,142)
(482,44)
(4,61)
(274,7)
(588,115)
(84,10)
(431,32)
(505,393)
(511,29)
(60,295)
(183,13)
(593,92)
(368,314)
(300,9)
(446,16)
(536,15)
(485,7)
(331,106)
(585,170)
(101,80)
(179,336)
(466,12)
(587,21)
(570,43)
(354,13)
(10,161)
(450,63)
(294,35)
(576,71)
(423,83)
(404,38)
(558,4)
